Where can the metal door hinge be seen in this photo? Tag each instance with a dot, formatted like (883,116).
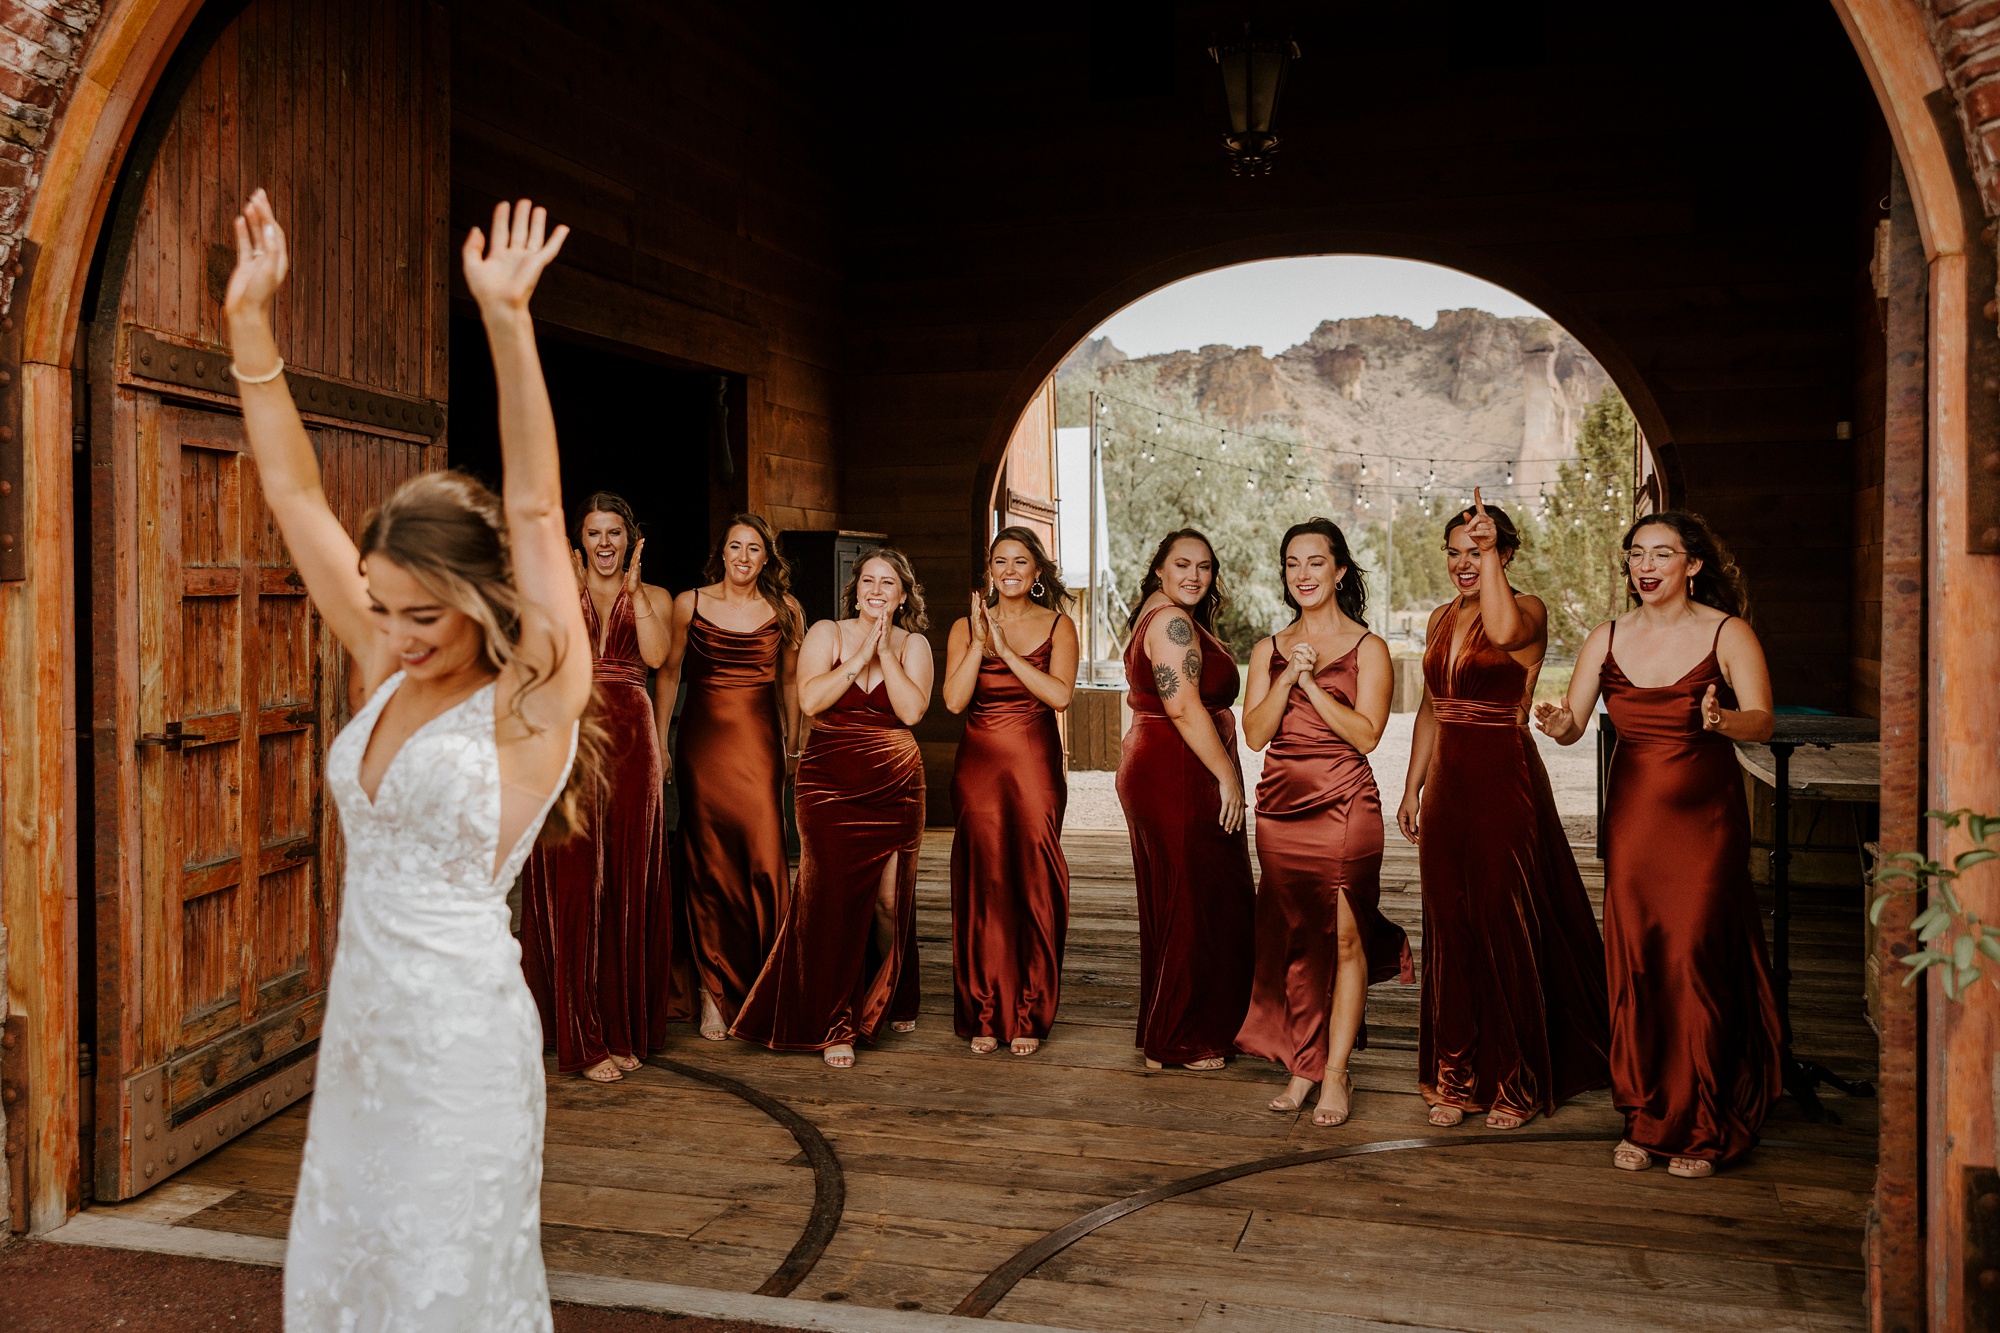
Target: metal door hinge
(173,738)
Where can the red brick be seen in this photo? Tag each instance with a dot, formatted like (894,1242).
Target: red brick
(19,88)
(1974,15)
(1982,102)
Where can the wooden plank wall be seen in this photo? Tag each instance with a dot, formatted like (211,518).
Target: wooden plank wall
(1703,253)
(688,148)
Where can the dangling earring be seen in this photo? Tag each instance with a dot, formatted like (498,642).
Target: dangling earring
(1690,587)
(1038,590)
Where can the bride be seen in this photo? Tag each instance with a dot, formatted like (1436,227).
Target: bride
(418,1205)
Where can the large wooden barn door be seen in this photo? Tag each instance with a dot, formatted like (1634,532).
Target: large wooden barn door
(215,686)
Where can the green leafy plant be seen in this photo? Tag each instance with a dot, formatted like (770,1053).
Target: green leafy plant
(1955,940)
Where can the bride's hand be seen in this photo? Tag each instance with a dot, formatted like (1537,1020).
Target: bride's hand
(502,273)
(261,260)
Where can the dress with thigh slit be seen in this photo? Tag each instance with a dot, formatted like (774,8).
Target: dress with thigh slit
(1319,839)
(597,911)
(860,802)
(1695,1038)
(1513,1010)
(1197,898)
(1009,881)
(730,769)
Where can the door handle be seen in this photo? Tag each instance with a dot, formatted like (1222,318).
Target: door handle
(173,738)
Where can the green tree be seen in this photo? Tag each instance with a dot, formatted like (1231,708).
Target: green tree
(1570,556)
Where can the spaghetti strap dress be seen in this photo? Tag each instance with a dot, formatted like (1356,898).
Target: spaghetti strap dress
(1009,880)
(730,769)
(1513,1008)
(860,800)
(1319,839)
(1695,1037)
(1197,897)
(597,911)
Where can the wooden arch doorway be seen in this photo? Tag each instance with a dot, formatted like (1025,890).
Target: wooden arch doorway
(212,865)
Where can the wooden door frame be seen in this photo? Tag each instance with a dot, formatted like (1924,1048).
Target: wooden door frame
(129,52)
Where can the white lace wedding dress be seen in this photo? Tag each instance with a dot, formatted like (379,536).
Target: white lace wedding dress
(419,1201)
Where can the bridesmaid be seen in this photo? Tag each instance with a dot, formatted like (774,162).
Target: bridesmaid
(736,644)
(1321,937)
(596,923)
(845,959)
(1513,1011)
(1182,791)
(1012,661)
(1695,1035)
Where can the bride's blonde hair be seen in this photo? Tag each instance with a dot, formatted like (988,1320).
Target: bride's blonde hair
(449,532)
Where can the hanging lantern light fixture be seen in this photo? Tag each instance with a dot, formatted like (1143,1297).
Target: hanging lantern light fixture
(1253,76)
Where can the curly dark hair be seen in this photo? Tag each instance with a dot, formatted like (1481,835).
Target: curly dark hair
(1719,583)
(1209,607)
(774,580)
(1351,595)
(1054,595)
(910,615)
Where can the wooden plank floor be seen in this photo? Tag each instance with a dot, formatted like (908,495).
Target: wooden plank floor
(954,1162)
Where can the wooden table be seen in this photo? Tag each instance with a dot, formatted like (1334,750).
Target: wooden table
(1827,769)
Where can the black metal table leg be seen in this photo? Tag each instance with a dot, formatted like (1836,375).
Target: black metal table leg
(1802,1077)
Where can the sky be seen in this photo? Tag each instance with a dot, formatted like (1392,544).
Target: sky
(1276,303)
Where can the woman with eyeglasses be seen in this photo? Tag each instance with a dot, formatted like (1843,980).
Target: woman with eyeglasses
(1695,1033)
(1512,1020)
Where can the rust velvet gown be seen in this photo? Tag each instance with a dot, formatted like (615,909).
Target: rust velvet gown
(1513,1011)
(1319,838)
(1009,881)
(1695,1041)
(1197,899)
(860,801)
(597,911)
(731,772)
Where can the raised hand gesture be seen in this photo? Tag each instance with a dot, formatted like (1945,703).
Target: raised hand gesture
(980,627)
(882,635)
(1480,528)
(576,567)
(632,568)
(261,259)
(502,274)
(1711,711)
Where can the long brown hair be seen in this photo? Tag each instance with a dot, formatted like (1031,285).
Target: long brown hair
(1209,607)
(1054,595)
(1720,583)
(450,533)
(910,615)
(774,580)
(610,502)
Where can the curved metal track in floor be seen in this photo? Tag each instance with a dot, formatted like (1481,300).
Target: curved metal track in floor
(994,1288)
(829,1185)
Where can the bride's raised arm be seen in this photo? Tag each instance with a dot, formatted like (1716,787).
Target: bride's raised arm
(501,272)
(286,466)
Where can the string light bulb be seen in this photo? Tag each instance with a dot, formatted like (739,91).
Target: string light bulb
(1159,425)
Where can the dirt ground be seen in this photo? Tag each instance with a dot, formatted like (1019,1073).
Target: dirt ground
(74,1289)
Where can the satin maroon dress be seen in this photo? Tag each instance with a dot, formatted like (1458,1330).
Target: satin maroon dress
(597,911)
(1319,839)
(730,768)
(1513,1013)
(1197,899)
(1695,1038)
(1009,881)
(860,801)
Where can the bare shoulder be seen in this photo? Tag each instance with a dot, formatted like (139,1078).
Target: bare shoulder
(793,602)
(1530,603)
(1260,654)
(1064,626)
(1737,636)
(1437,613)
(961,630)
(1373,649)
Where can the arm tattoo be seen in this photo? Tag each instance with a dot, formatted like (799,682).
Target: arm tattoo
(1191,664)
(1180,629)
(1167,682)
